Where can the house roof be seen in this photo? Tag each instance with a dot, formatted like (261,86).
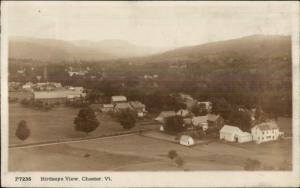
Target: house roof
(212,117)
(108,105)
(64,93)
(123,106)
(199,119)
(165,114)
(267,126)
(118,98)
(137,104)
(243,134)
(230,129)
(185,137)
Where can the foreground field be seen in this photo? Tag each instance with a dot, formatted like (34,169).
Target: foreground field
(137,152)
(57,124)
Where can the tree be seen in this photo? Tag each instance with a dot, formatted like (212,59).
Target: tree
(86,120)
(240,119)
(127,118)
(222,107)
(174,124)
(172,154)
(22,131)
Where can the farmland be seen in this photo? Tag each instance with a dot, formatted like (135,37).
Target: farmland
(127,152)
(137,152)
(57,124)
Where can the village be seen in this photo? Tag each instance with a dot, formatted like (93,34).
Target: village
(181,126)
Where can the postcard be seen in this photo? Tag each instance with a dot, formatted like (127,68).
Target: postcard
(150,94)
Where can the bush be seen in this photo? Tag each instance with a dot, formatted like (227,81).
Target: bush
(172,154)
(127,118)
(178,161)
(86,121)
(22,131)
(174,124)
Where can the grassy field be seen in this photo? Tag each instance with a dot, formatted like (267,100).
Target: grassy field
(139,153)
(57,124)
(128,152)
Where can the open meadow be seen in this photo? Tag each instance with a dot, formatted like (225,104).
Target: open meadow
(140,153)
(57,124)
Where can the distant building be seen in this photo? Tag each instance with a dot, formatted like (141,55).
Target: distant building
(215,121)
(206,105)
(107,108)
(57,96)
(118,99)
(200,121)
(186,140)
(161,117)
(28,86)
(265,132)
(234,134)
(139,107)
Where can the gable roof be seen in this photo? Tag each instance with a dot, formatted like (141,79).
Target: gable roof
(123,106)
(212,117)
(230,129)
(199,119)
(267,125)
(118,98)
(137,104)
(64,93)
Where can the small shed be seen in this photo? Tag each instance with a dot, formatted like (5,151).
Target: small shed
(187,140)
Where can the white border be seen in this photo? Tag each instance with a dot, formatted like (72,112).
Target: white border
(156,179)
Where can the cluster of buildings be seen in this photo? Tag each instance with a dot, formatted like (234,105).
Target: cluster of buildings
(119,103)
(260,132)
(78,71)
(50,92)
(61,95)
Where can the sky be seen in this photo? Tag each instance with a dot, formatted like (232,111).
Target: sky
(155,24)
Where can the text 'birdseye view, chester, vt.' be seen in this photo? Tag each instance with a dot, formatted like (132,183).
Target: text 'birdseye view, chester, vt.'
(133,90)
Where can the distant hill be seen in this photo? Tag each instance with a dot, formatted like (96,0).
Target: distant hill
(255,46)
(70,51)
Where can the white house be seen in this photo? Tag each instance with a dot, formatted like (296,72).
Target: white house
(265,132)
(186,140)
(234,134)
(229,133)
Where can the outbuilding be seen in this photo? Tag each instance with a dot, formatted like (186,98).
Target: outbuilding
(187,140)
(229,133)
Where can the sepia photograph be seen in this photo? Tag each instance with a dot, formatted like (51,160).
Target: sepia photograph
(149,87)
